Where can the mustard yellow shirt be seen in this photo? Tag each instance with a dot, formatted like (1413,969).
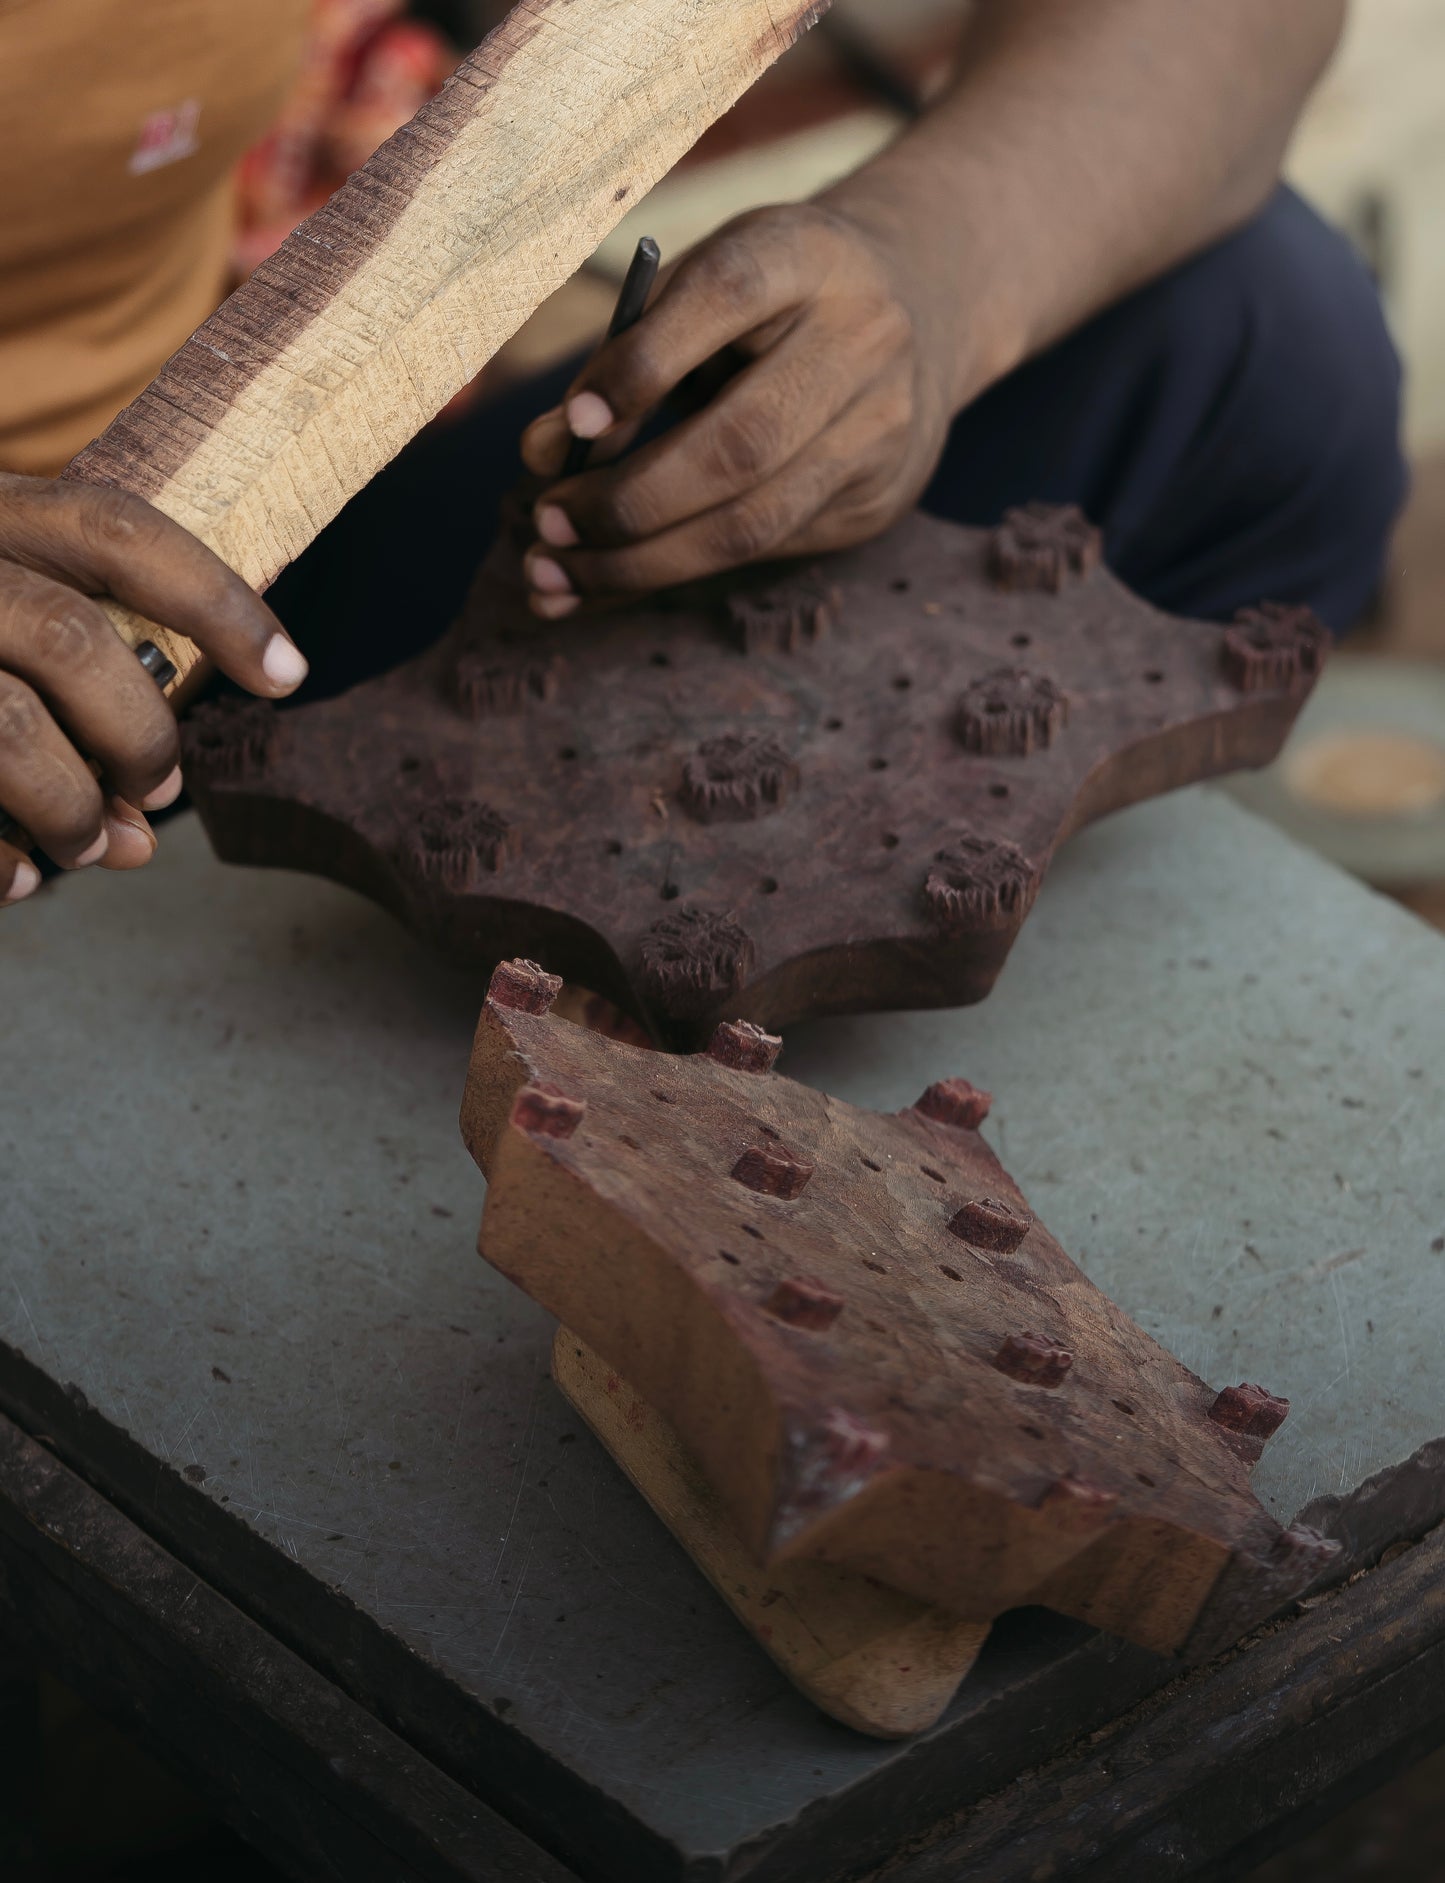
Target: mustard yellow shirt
(120,124)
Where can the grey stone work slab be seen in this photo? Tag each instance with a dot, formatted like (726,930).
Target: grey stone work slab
(237,1288)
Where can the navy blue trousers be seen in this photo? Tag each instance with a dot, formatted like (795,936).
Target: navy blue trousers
(1233,427)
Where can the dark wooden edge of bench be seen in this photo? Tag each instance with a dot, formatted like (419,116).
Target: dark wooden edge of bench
(1215,1771)
(287,1759)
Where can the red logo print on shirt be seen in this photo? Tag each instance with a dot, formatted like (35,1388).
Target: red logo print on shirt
(166,137)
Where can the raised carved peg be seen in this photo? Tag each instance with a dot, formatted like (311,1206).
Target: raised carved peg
(736,777)
(1273,646)
(544,1110)
(802,1301)
(1010,713)
(483,685)
(230,737)
(1249,1416)
(978,880)
(772,1171)
(456,842)
(1044,546)
(524,985)
(693,959)
(955,1102)
(785,617)
(745,1047)
(987,1222)
(1034,1359)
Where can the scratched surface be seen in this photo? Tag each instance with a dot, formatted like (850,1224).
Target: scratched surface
(237,1218)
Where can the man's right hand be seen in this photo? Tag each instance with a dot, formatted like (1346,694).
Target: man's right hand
(70,688)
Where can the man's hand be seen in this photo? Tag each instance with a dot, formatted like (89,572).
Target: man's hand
(70,686)
(1083,147)
(826,430)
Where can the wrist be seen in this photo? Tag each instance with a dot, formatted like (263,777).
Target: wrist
(949,269)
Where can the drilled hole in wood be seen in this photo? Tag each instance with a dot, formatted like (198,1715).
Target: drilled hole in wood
(936,1175)
(1145,1479)
(568,752)
(903,682)
(951,1273)
(756,1234)
(663,1098)
(890,840)
(1124,1406)
(769,886)
(409,765)
(659,659)
(900,585)
(728,1256)
(669,892)
(1031,1431)
(998,791)
(1154,677)
(1020,640)
(832,725)
(877,1267)
(868,1164)
(878,764)
(614,848)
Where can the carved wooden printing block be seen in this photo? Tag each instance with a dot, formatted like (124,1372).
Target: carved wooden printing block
(878,1355)
(806,791)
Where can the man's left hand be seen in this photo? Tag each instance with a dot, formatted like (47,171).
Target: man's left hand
(831,416)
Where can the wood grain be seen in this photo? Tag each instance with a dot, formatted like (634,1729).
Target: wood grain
(383,304)
(864,1654)
(879,1356)
(796,792)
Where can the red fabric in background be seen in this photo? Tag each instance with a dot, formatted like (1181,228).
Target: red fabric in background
(367,68)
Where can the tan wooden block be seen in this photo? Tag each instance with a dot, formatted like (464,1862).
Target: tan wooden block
(863,1653)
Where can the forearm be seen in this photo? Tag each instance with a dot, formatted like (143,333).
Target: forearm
(1083,147)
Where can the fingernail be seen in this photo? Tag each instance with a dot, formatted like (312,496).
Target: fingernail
(25,879)
(589,415)
(96,851)
(283,663)
(549,576)
(166,792)
(118,822)
(552,607)
(554,526)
